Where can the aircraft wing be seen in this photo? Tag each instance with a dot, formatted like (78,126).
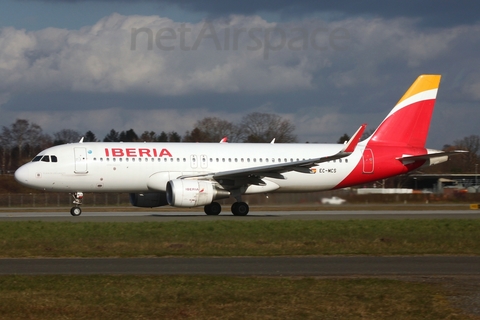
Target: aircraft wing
(276,170)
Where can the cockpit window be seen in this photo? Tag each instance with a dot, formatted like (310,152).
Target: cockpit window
(45,158)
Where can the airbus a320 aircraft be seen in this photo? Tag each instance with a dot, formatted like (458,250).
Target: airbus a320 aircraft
(197,174)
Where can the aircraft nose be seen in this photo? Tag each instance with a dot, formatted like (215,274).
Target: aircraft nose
(22,175)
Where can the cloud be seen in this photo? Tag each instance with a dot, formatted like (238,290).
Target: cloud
(323,75)
(113,56)
(432,12)
(157,56)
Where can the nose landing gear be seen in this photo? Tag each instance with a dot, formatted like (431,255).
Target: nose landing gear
(77,201)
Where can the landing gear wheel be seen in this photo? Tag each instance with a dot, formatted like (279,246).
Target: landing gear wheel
(77,201)
(76,211)
(240,209)
(213,209)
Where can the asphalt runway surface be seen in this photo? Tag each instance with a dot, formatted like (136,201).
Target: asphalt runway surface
(89,214)
(247,266)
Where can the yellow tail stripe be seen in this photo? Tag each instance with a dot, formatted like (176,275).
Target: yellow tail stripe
(423,83)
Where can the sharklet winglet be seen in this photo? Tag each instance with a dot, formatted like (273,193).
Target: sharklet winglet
(352,143)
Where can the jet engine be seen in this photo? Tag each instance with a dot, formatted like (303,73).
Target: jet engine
(148,200)
(192,193)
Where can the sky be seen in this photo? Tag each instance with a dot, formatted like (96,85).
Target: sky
(161,65)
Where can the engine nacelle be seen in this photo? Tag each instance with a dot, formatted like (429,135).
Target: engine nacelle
(192,193)
(149,199)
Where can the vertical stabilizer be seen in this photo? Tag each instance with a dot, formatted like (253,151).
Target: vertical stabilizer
(408,122)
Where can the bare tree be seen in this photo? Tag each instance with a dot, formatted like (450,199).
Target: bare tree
(213,129)
(463,163)
(6,145)
(24,136)
(472,145)
(263,127)
(66,136)
(196,135)
(148,136)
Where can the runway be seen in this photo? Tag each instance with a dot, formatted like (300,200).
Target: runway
(247,266)
(91,215)
(251,266)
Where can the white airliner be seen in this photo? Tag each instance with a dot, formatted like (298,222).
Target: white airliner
(197,174)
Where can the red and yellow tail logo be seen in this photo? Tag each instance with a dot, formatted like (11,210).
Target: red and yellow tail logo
(408,122)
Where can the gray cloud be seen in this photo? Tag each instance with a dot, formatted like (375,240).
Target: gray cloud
(438,13)
(94,80)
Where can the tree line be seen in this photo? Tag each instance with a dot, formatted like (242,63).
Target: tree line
(23,139)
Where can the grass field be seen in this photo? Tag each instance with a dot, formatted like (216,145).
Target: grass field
(239,238)
(212,297)
(208,297)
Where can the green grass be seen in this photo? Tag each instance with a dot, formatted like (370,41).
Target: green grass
(208,297)
(236,238)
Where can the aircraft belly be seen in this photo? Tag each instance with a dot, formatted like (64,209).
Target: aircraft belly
(323,177)
(297,182)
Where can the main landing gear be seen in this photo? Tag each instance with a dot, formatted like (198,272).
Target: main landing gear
(238,209)
(77,201)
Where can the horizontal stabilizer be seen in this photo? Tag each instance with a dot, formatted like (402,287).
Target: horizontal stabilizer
(431,155)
